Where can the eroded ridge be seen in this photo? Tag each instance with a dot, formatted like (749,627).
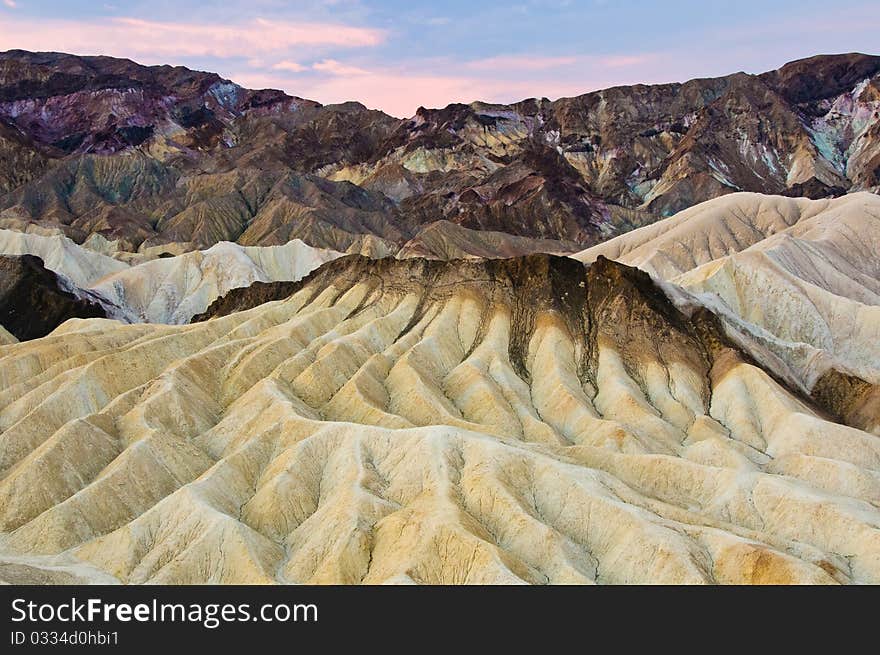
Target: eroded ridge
(526,420)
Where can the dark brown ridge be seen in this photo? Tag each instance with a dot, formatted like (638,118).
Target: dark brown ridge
(603,302)
(849,398)
(33,301)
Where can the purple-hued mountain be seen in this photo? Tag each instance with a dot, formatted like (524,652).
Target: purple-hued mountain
(169,158)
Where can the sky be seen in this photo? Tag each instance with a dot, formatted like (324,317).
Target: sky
(398,55)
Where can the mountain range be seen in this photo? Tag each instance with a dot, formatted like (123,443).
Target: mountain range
(165,160)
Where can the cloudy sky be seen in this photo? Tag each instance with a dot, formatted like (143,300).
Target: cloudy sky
(396,55)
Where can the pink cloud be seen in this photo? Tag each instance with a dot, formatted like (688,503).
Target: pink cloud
(10,3)
(334,67)
(153,40)
(291,66)
(294,57)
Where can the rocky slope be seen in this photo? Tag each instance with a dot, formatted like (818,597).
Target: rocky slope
(800,278)
(167,158)
(34,301)
(525,420)
(172,290)
(165,289)
(104,105)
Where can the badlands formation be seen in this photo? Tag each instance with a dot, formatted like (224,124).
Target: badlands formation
(247,338)
(798,278)
(530,420)
(162,290)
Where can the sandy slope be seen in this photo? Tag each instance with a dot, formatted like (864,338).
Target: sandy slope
(6,338)
(802,276)
(81,266)
(174,289)
(167,290)
(411,421)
